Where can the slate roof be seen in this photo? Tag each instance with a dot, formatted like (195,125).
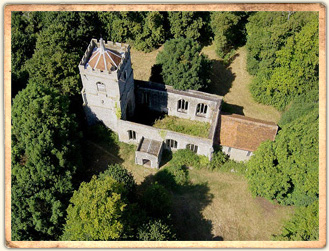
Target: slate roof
(245,133)
(150,146)
(103,58)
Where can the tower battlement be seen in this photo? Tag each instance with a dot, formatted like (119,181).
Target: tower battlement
(122,49)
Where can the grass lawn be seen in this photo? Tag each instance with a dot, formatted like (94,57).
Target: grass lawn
(215,206)
(232,82)
(191,127)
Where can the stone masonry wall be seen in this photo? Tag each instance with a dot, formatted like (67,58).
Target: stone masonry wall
(204,145)
(236,154)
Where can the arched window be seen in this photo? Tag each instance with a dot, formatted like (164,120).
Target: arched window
(182,105)
(171,143)
(193,148)
(201,109)
(132,134)
(101,87)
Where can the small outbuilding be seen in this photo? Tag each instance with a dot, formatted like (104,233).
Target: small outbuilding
(240,136)
(149,153)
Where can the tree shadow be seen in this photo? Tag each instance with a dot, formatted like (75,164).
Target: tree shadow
(188,202)
(99,149)
(221,78)
(156,76)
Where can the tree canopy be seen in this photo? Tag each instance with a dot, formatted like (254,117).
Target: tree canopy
(96,211)
(45,155)
(283,51)
(287,169)
(183,65)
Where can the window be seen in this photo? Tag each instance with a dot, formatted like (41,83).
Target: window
(182,105)
(101,87)
(193,148)
(145,98)
(248,153)
(229,149)
(171,143)
(132,134)
(201,109)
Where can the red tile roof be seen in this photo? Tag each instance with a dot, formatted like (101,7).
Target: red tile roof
(245,133)
(104,59)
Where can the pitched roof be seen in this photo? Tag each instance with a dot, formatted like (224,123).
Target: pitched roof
(245,133)
(103,58)
(150,146)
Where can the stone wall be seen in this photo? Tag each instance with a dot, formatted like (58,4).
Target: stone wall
(237,154)
(205,146)
(164,98)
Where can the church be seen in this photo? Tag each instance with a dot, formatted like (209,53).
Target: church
(112,96)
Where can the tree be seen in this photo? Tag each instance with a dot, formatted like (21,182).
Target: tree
(96,211)
(222,23)
(303,226)
(156,201)
(287,169)
(59,48)
(283,55)
(153,33)
(155,230)
(189,24)
(144,30)
(183,65)
(45,155)
(120,174)
(25,26)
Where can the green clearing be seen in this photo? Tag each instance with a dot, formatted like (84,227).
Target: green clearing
(186,126)
(214,206)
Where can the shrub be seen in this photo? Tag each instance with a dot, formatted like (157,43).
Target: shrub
(155,230)
(173,176)
(120,174)
(156,201)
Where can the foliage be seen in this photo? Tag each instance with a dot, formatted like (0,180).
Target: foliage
(96,212)
(143,29)
(222,23)
(218,160)
(156,201)
(121,175)
(172,176)
(283,51)
(59,48)
(186,126)
(183,67)
(287,169)
(155,230)
(302,105)
(304,225)
(24,29)
(45,155)
(189,24)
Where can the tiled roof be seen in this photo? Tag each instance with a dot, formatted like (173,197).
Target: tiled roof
(245,133)
(103,58)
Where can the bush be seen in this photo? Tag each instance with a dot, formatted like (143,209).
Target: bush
(156,201)
(303,226)
(155,230)
(120,174)
(173,176)
(218,159)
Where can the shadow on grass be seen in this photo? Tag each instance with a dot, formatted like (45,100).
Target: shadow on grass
(156,76)
(99,149)
(188,202)
(221,78)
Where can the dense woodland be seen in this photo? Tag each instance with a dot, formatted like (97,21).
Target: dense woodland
(51,200)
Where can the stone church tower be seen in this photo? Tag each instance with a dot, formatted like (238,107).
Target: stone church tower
(108,83)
